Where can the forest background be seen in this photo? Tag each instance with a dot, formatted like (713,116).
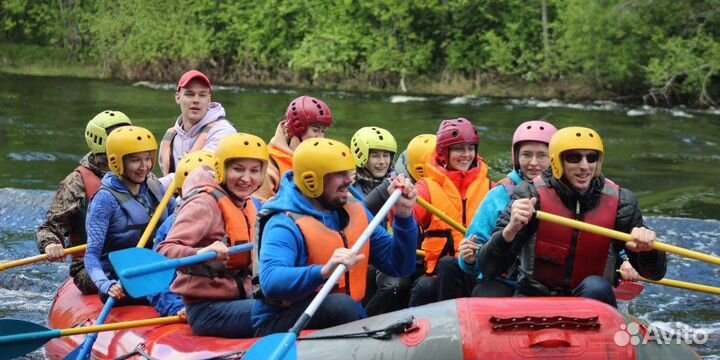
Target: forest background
(657,52)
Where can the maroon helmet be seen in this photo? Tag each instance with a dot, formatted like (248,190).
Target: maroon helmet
(305,111)
(454,132)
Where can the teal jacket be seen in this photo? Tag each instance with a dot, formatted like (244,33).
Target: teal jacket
(483,223)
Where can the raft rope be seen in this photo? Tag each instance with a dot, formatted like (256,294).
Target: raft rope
(139,350)
(380,334)
(544,322)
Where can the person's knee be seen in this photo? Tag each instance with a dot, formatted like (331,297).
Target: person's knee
(424,291)
(598,288)
(447,264)
(342,307)
(596,284)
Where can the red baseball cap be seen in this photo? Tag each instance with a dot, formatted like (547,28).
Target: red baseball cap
(192,74)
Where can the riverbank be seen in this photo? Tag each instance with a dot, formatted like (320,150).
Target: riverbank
(33,60)
(21,59)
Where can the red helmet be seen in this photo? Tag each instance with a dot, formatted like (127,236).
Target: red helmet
(454,132)
(305,111)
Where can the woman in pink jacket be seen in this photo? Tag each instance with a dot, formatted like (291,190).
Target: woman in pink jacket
(217,213)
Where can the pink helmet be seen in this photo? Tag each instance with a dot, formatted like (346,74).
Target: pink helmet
(305,111)
(454,132)
(533,130)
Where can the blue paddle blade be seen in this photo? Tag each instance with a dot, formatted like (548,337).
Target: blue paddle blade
(18,337)
(152,281)
(73,354)
(274,347)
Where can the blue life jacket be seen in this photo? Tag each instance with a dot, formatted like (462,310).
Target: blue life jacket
(125,231)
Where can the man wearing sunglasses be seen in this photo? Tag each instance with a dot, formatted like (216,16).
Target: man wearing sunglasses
(559,261)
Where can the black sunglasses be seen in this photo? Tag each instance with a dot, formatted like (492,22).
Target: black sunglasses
(575,157)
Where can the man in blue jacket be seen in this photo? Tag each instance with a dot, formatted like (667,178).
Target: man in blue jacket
(309,229)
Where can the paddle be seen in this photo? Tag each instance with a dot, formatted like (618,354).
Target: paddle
(435,211)
(153,276)
(282,345)
(618,235)
(38,258)
(683,285)
(19,337)
(628,291)
(157,271)
(83,351)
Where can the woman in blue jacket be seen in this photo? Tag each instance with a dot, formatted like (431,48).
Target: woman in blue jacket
(530,158)
(123,206)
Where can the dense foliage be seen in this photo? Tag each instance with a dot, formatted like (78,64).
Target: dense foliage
(667,50)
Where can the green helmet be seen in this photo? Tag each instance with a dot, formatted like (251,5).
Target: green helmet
(96,129)
(371,138)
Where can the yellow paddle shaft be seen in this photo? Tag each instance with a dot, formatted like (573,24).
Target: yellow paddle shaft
(685,285)
(156,216)
(617,235)
(81,248)
(121,325)
(38,258)
(435,211)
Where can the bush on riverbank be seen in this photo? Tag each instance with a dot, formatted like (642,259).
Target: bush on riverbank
(659,51)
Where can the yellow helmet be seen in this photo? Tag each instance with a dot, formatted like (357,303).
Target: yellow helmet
(416,150)
(128,140)
(239,146)
(96,129)
(573,138)
(315,158)
(190,162)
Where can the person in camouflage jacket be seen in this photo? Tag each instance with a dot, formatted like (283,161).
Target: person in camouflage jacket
(66,215)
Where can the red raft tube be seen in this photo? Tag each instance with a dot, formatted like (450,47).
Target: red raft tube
(474,328)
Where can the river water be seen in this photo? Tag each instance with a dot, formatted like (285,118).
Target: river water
(669,158)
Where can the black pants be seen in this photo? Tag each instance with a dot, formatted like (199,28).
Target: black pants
(453,282)
(424,290)
(388,293)
(492,288)
(230,319)
(337,309)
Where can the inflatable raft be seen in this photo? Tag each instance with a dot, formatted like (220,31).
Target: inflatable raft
(475,328)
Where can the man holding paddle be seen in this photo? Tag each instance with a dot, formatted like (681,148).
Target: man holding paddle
(311,227)
(556,260)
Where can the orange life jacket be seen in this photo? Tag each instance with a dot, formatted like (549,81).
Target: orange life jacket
(321,243)
(167,163)
(282,159)
(440,238)
(239,229)
(565,256)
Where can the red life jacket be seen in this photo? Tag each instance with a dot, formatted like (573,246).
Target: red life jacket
(565,256)
(321,244)
(91,183)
